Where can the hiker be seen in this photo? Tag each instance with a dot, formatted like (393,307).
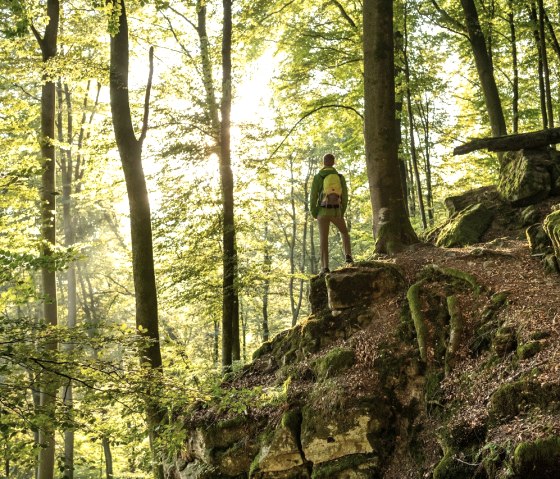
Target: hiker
(328,201)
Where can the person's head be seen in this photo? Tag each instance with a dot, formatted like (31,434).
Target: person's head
(328,159)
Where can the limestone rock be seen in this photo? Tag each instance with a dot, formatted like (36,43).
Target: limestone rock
(538,240)
(526,178)
(466,227)
(361,286)
(281,453)
(486,194)
(552,227)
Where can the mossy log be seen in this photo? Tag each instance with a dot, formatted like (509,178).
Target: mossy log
(531,140)
(413,297)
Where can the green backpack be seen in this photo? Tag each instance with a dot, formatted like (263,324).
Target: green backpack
(331,195)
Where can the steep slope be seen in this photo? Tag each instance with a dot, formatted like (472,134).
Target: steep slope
(439,363)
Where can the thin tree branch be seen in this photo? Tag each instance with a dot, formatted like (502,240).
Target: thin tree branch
(448,19)
(344,14)
(147,99)
(309,113)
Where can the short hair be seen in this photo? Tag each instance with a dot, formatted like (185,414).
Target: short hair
(328,159)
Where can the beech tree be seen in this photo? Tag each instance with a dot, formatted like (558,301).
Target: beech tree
(391,225)
(48,44)
(130,151)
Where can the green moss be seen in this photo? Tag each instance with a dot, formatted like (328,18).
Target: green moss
(413,297)
(460,275)
(539,459)
(499,299)
(465,227)
(455,332)
(366,463)
(528,350)
(291,420)
(450,467)
(512,398)
(505,340)
(335,361)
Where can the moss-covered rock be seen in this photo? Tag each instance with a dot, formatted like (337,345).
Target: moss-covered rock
(538,240)
(539,459)
(504,341)
(551,226)
(334,362)
(356,466)
(529,215)
(525,178)
(510,399)
(486,194)
(528,350)
(465,227)
(452,467)
(318,294)
(363,285)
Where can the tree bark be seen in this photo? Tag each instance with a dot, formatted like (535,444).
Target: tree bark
(413,154)
(542,88)
(266,285)
(130,151)
(484,68)
(48,45)
(108,458)
(546,69)
(391,225)
(230,317)
(515,68)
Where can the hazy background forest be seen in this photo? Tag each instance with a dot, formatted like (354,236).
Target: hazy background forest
(296,94)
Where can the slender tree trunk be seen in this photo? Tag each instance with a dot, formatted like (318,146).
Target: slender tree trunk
(546,70)
(515,68)
(108,458)
(67,218)
(411,126)
(485,69)
(266,285)
(391,225)
(48,45)
(130,151)
(216,346)
(542,88)
(230,318)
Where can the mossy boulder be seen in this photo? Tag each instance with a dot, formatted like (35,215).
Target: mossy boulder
(528,350)
(510,399)
(465,227)
(538,459)
(551,226)
(538,240)
(504,341)
(486,194)
(362,285)
(525,178)
(334,362)
(529,215)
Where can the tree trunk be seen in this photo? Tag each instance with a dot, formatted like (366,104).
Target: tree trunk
(66,166)
(515,68)
(48,45)
(413,155)
(485,69)
(542,88)
(108,458)
(230,317)
(266,285)
(391,225)
(546,70)
(130,150)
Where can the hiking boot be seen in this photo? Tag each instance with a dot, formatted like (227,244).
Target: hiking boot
(349,259)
